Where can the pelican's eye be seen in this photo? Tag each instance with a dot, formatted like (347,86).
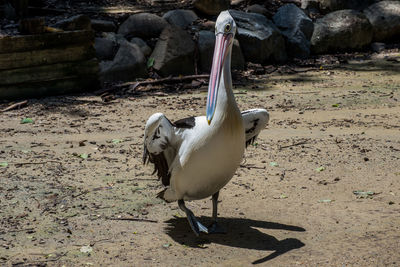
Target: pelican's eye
(228,27)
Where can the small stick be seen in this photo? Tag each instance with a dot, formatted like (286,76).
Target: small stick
(164,80)
(299,93)
(44,162)
(15,106)
(252,167)
(81,193)
(131,219)
(297,144)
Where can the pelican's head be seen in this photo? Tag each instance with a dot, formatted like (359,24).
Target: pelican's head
(225,29)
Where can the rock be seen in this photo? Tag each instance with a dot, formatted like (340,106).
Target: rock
(260,39)
(378,47)
(174,52)
(105,48)
(326,6)
(103,25)
(257,9)
(297,28)
(211,7)
(143,25)
(206,43)
(311,7)
(117,38)
(129,63)
(289,17)
(236,2)
(340,30)
(385,19)
(78,22)
(181,18)
(142,45)
(209,24)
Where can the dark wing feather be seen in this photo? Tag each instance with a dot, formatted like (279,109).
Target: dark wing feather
(186,123)
(254,121)
(158,149)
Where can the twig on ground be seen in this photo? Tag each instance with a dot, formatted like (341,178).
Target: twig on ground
(251,167)
(81,193)
(131,219)
(15,106)
(296,144)
(43,162)
(299,93)
(163,80)
(16,231)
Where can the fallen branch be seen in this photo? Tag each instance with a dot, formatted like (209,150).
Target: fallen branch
(133,85)
(15,106)
(131,219)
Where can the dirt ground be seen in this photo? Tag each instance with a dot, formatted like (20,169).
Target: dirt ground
(72,181)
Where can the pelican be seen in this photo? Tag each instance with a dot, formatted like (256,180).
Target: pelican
(195,157)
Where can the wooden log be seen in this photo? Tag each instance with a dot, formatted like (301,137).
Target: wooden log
(10,44)
(57,87)
(31,26)
(49,72)
(47,56)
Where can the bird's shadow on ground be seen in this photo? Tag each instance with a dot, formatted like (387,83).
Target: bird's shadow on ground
(241,233)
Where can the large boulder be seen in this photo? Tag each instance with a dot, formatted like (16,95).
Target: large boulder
(174,52)
(206,43)
(260,39)
(181,18)
(341,30)
(297,28)
(385,19)
(211,7)
(143,25)
(128,64)
(142,45)
(105,48)
(326,6)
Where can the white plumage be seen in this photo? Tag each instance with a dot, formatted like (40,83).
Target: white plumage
(196,157)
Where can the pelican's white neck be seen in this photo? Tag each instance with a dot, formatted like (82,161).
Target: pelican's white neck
(226,101)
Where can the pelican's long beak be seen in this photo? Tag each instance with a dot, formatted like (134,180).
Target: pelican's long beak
(220,51)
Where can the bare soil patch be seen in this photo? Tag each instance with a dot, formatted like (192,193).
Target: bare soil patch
(71,181)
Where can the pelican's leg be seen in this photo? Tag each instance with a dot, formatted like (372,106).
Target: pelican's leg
(215,228)
(196,226)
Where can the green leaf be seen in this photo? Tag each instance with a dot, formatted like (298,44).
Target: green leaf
(26,120)
(273,164)
(150,62)
(335,105)
(320,169)
(166,245)
(84,155)
(364,194)
(3,164)
(116,141)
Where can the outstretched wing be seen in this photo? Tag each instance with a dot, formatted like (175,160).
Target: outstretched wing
(159,140)
(161,143)
(254,121)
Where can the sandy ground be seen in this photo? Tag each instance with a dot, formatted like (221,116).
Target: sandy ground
(69,179)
